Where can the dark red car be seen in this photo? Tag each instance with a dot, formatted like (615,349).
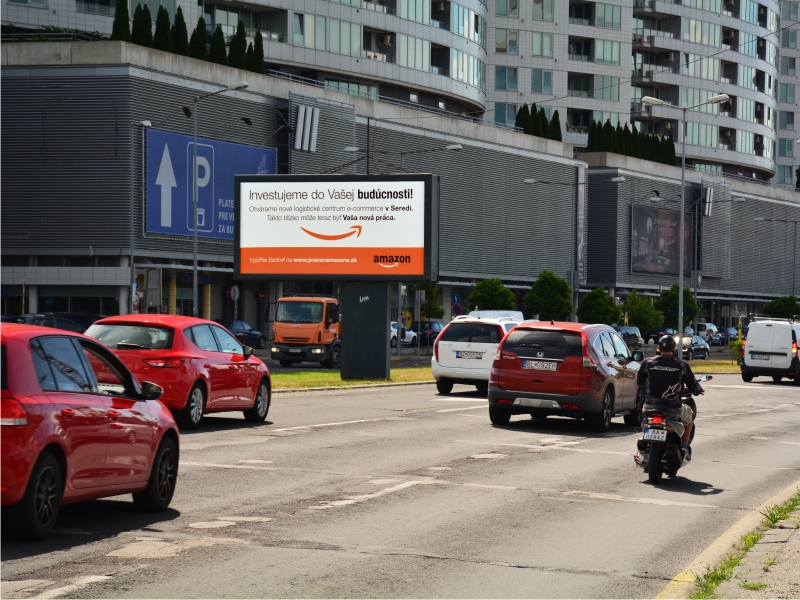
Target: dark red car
(76,425)
(202,367)
(565,369)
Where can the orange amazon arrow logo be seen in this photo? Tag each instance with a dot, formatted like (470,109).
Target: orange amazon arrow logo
(319,236)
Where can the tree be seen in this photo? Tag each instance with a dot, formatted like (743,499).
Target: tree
(550,298)
(611,136)
(671,158)
(142,32)
(258,55)
(619,136)
(636,150)
(645,142)
(535,125)
(602,136)
(591,143)
(136,29)
(249,57)
(784,307)
(598,307)
(668,305)
(180,35)
(523,119)
(491,294)
(237,54)
(555,127)
(162,39)
(544,124)
(641,312)
(217,52)
(429,309)
(797,175)
(121,30)
(197,45)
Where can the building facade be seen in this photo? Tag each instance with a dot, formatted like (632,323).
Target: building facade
(788,155)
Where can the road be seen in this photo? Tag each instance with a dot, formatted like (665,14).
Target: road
(401,492)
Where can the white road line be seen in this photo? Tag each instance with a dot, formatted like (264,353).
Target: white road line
(326,425)
(362,498)
(792,443)
(459,400)
(639,500)
(455,409)
(76,584)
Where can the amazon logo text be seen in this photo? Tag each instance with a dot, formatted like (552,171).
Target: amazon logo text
(384,258)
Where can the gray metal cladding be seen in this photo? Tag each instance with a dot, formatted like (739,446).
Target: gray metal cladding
(335,130)
(602,231)
(715,231)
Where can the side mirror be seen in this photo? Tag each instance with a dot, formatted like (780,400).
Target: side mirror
(638,355)
(248,351)
(151,391)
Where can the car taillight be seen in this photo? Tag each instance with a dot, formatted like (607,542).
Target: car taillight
(743,344)
(12,412)
(570,406)
(170,363)
(436,350)
(794,349)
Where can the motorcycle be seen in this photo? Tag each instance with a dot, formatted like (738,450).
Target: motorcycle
(659,448)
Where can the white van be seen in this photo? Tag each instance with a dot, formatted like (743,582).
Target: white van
(771,350)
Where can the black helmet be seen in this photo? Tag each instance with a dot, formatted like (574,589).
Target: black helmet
(667,344)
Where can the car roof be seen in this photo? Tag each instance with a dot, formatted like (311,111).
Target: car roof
(561,325)
(307,299)
(154,319)
(481,321)
(27,331)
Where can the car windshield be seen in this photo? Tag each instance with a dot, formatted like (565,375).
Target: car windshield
(687,340)
(132,337)
(299,312)
(478,333)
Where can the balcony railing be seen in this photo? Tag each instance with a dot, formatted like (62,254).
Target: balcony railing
(378,7)
(94,9)
(580,57)
(577,21)
(440,25)
(439,70)
(267,36)
(581,93)
(376,56)
(577,128)
(640,4)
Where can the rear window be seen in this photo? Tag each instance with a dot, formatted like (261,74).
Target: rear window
(552,343)
(132,337)
(477,333)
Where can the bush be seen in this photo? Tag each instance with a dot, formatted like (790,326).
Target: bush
(598,307)
(197,45)
(736,351)
(180,35)
(121,30)
(550,298)
(491,294)
(162,40)
(429,309)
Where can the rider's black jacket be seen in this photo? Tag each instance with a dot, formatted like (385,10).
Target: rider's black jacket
(663,378)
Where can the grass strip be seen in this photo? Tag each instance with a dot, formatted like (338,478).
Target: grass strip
(714,366)
(707,583)
(333,379)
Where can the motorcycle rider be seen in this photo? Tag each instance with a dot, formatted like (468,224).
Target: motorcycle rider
(663,378)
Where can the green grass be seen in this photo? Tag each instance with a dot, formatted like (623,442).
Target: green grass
(755,585)
(714,366)
(768,564)
(308,379)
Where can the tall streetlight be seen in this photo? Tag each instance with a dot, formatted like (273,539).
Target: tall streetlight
(650,101)
(144,125)
(238,86)
(794,246)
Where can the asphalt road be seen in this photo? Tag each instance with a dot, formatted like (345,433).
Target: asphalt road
(401,492)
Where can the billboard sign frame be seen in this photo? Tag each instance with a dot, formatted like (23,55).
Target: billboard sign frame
(430,234)
(658,249)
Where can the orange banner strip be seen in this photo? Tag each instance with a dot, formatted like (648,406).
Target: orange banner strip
(336,261)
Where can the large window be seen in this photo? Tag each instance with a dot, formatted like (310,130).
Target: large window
(709,5)
(601,117)
(505,78)
(786,120)
(785,147)
(608,16)
(788,66)
(541,44)
(786,93)
(606,88)
(507,8)
(746,110)
(542,10)
(789,38)
(695,65)
(467,23)
(414,53)
(506,41)
(353,88)
(789,11)
(606,52)
(749,11)
(541,81)
(345,37)
(700,134)
(465,67)
(772,54)
(505,114)
(694,96)
(701,32)
(309,31)
(745,142)
(746,77)
(37,3)
(748,43)
(785,175)
(414,10)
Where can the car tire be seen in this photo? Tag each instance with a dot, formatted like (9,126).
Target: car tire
(163,476)
(690,355)
(286,363)
(747,378)
(706,355)
(192,414)
(33,518)
(414,342)
(777,378)
(261,403)
(634,419)
(393,342)
(444,387)
(262,342)
(482,386)
(601,422)
(335,359)
(499,416)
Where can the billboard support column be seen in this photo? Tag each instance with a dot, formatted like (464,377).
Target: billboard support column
(365,336)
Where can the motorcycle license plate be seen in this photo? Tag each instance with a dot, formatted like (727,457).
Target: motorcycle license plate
(655,435)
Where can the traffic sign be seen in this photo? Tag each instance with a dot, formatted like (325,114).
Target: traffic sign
(457,309)
(235,293)
(261,296)
(456,299)
(137,298)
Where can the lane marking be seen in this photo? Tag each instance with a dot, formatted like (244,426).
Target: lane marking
(76,584)
(638,500)
(488,456)
(792,443)
(257,462)
(211,524)
(254,468)
(384,481)
(455,409)
(245,519)
(326,425)
(364,497)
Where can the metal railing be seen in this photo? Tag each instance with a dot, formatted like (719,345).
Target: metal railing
(377,56)
(267,36)
(580,57)
(49,36)
(378,7)
(439,25)
(94,9)
(577,21)
(439,70)
(580,93)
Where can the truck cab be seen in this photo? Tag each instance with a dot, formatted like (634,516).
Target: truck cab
(307,330)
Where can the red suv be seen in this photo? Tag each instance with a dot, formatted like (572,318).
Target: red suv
(565,369)
(77,426)
(201,366)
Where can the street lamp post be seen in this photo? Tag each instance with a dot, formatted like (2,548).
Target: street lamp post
(144,125)
(650,101)
(794,248)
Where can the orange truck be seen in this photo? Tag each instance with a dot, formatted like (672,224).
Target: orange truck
(307,330)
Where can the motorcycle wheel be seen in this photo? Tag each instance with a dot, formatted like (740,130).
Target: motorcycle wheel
(654,472)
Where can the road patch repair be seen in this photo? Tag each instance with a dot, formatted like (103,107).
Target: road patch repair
(155,547)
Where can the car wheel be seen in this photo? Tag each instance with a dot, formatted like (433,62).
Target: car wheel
(33,518)
(706,355)
(414,343)
(335,358)
(444,387)
(258,413)
(777,378)
(601,422)
(161,485)
(499,416)
(262,342)
(192,414)
(483,386)
(634,419)
(690,355)
(747,378)
(393,343)
(286,363)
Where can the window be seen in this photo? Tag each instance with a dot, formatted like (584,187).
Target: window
(555,344)
(746,77)
(476,333)
(601,117)
(745,142)
(203,338)
(505,78)
(786,120)
(772,53)
(299,29)
(541,81)
(746,110)
(789,38)
(542,44)
(785,147)
(413,97)
(694,96)
(700,134)
(606,88)
(701,32)
(789,11)
(620,346)
(227,343)
(465,67)
(709,5)
(132,337)
(505,114)
(788,66)
(606,52)
(506,41)
(440,104)
(507,8)
(786,93)
(414,53)
(708,168)
(608,16)
(110,379)
(785,174)
(467,23)
(59,365)
(345,38)
(36,3)
(353,88)
(309,31)
(413,10)
(748,43)
(542,10)
(749,11)
(695,65)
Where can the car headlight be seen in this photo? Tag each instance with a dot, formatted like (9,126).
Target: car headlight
(317,350)
(276,349)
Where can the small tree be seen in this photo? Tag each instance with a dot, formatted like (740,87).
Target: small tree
(237,54)
(544,124)
(145,29)
(672,160)
(491,294)
(598,307)
(555,127)
(641,312)
(249,57)
(197,45)
(523,120)
(784,307)
(797,176)
(121,30)
(636,149)
(429,309)
(591,142)
(180,35)
(550,298)
(162,39)
(619,136)
(217,52)
(611,136)
(668,305)
(258,54)
(536,128)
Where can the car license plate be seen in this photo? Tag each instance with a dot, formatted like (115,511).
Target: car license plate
(540,365)
(295,350)
(759,356)
(460,354)
(657,435)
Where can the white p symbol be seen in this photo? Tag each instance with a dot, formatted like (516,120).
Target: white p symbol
(202,162)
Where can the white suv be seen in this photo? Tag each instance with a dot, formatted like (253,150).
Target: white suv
(464,351)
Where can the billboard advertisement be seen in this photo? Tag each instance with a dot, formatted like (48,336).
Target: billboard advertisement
(169,200)
(337,227)
(654,240)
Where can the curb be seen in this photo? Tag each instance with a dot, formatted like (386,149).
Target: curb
(683,583)
(329,388)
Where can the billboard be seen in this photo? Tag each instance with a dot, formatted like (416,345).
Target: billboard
(337,227)
(654,240)
(169,201)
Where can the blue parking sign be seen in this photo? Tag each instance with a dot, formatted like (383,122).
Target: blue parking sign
(456,299)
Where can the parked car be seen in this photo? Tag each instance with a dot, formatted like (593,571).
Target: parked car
(56,322)
(245,334)
(630,335)
(428,333)
(565,369)
(409,337)
(76,425)
(201,366)
(730,334)
(84,321)
(496,314)
(771,350)
(656,334)
(709,333)
(693,347)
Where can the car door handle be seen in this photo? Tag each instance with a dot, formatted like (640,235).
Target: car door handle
(113,415)
(68,412)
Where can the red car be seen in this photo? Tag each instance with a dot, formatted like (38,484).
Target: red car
(201,365)
(565,369)
(76,425)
